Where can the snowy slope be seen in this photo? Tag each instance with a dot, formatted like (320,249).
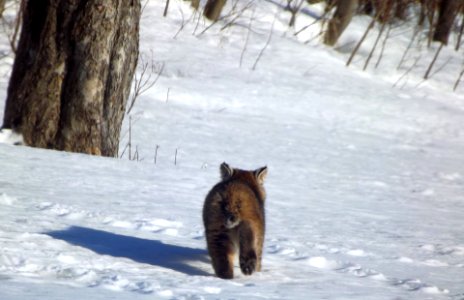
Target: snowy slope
(365,185)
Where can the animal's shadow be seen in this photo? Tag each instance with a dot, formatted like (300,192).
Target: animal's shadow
(140,250)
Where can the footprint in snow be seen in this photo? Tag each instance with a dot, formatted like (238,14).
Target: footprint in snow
(61,210)
(119,283)
(417,285)
(457,250)
(44,205)
(323,263)
(450,176)
(162,226)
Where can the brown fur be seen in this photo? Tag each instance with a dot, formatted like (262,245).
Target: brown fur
(233,215)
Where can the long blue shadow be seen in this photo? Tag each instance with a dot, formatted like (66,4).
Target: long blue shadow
(140,250)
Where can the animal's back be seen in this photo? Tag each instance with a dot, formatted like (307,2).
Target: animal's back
(231,198)
(233,216)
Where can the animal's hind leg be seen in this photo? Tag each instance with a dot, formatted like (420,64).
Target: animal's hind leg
(259,252)
(248,256)
(222,252)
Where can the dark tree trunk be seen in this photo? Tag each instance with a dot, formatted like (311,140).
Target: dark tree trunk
(2,7)
(342,17)
(446,15)
(213,9)
(423,13)
(366,7)
(195,4)
(384,10)
(401,9)
(72,74)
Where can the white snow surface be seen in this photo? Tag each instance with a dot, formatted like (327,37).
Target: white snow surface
(365,184)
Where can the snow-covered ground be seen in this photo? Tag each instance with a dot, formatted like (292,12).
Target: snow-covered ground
(365,184)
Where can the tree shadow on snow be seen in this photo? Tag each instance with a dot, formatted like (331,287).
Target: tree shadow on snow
(151,252)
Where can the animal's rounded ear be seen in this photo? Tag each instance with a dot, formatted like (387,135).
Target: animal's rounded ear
(226,171)
(261,174)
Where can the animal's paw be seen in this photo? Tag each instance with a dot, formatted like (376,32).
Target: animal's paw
(224,271)
(225,274)
(248,263)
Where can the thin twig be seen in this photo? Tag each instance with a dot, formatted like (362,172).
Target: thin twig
(233,13)
(407,71)
(144,81)
(136,154)
(314,37)
(156,154)
(123,151)
(238,14)
(305,27)
(355,50)
(382,28)
(165,13)
(459,80)
(387,11)
(13,38)
(294,11)
(414,35)
(384,44)
(182,25)
(199,18)
(442,66)
(143,7)
(247,38)
(266,45)
(426,76)
(461,31)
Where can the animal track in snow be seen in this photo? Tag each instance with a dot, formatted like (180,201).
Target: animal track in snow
(119,283)
(156,225)
(288,251)
(59,210)
(416,285)
(435,263)
(450,176)
(429,262)
(328,261)
(162,226)
(359,271)
(443,250)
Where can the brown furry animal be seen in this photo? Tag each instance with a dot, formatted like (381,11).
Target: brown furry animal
(233,215)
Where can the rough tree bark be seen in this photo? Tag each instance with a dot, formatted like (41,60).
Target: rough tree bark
(340,20)
(447,13)
(213,9)
(72,74)
(2,7)
(401,9)
(195,4)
